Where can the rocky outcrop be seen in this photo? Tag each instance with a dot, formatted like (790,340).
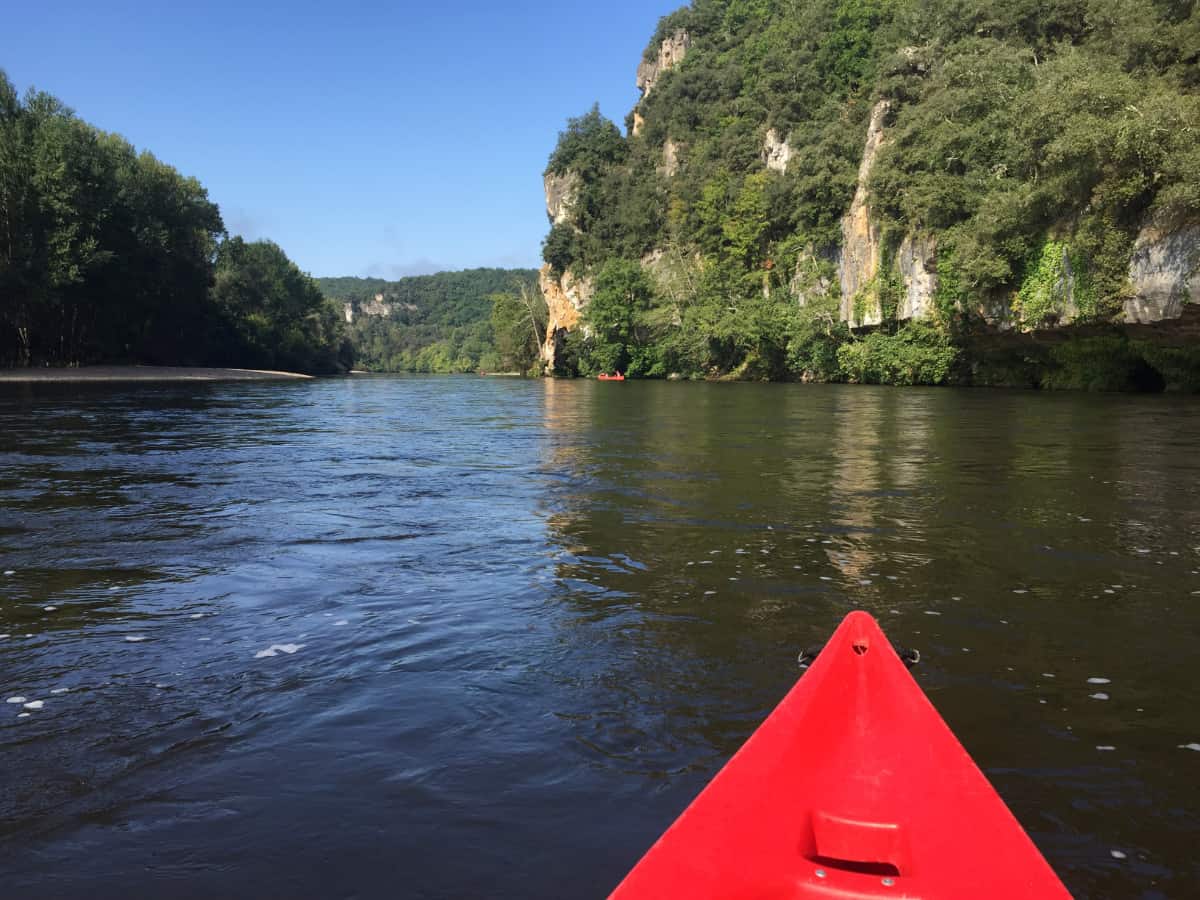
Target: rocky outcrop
(1164,273)
(561,193)
(916,262)
(670,158)
(859,262)
(813,278)
(670,54)
(858,259)
(376,306)
(565,297)
(776,151)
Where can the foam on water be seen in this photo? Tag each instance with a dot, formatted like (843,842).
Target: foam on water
(275,649)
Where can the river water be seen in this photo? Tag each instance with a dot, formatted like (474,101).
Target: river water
(440,637)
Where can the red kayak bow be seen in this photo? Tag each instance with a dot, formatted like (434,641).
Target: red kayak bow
(853,788)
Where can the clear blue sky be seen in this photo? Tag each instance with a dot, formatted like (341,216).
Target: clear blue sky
(365,138)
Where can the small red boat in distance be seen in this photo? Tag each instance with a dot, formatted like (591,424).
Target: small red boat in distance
(853,788)
(604,376)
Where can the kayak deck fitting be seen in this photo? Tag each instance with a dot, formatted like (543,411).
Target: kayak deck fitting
(854,787)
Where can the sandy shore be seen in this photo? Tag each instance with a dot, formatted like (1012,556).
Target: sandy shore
(155,374)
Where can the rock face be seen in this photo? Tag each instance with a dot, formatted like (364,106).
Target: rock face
(565,299)
(561,193)
(776,152)
(859,262)
(670,54)
(376,306)
(811,279)
(916,261)
(1164,273)
(670,158)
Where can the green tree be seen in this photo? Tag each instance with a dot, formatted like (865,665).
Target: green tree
(278,317)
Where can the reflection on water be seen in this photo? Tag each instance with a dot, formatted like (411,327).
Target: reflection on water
(457,636)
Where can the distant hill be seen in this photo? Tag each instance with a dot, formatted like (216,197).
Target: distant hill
(424,323)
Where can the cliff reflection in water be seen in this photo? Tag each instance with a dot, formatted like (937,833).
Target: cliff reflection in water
(1023,542)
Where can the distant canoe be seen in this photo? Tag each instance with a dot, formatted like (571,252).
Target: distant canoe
(604,376)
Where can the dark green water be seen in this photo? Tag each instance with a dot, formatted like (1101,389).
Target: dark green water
(531,619)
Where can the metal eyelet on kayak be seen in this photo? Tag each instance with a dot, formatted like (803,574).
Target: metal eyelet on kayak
(888,882)
(820,873)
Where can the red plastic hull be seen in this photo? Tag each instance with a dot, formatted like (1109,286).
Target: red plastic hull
(854,787)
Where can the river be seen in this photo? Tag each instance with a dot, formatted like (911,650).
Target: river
(431,637)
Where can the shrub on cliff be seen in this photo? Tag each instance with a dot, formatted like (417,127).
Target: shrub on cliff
(918,353)
(587,145)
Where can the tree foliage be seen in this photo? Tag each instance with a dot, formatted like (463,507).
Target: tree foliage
(110,255)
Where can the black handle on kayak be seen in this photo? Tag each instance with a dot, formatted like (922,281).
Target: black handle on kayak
(910,656)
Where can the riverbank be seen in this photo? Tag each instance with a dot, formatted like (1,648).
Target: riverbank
(155,374)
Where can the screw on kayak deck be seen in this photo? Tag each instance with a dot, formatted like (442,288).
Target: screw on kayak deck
(820,873)
(888,882)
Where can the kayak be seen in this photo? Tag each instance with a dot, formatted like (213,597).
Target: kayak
(604,376)
(853,788)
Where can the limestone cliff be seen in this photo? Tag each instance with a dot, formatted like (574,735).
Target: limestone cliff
(671,52)
(1164,273)
(859,258)
(858,263)
(376,306)
(916,262)
(561,193)
(776,152)
(670,158)
(566,297)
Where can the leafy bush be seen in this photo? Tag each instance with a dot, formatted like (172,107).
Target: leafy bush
(918,353)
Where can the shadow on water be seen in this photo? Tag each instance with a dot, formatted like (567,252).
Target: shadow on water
(468,636)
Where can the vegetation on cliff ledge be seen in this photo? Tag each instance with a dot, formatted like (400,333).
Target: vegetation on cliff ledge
(1025,139)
